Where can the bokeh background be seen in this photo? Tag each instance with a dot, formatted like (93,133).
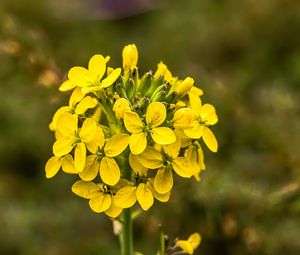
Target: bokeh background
(245,55)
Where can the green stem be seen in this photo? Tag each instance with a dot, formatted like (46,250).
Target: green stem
(126,237)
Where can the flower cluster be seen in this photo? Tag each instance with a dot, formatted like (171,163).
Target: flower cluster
(127,135)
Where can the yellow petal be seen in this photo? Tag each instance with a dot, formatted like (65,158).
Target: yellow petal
(66,86)
(76,97)
(195,103)
(144,196)
(210,139)
(100,202)
(68,165)
(151,158)
(133,122)
(62,147)
(196,91)
(126,197)
(61,110)
(161,197)
(195,131)
(185,246)
(79,157)
(208,114)
(156,114)
(137,143)
(109,171)
(111,78)
(120,107)
(116,145)
(92,166)
(88,130)
(52,166)
(130,57)
(97,66)
(79,76)
(162,70)
(84,189)
(163,181)
(182,167)
(85,104)
(163,135)
(97,142)
(136,166)
(113,211)
(185,86)
(195,240)
(67,124)
(183,118)
(172,150)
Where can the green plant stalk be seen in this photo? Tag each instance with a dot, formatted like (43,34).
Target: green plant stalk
(162,243)
(126,236)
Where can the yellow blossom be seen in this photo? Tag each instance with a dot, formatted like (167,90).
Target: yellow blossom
(190,245)
(55,163)
(130,57)
(120,107)
(155,116)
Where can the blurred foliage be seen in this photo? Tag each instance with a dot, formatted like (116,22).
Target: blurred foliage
(246,57)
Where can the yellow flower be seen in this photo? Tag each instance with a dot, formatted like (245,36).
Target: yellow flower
(102,159)
(90,80)
(162,70)
(155,116)
(183,117)
(55,163)
(120,107)
(69,137)
(101,198)
(194,154)
(130,57)
(143,192)
(183,87)
(205,116)
(190,245)
(78,104)
(170,160)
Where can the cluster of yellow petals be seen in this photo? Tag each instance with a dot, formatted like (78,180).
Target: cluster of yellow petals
(154,125)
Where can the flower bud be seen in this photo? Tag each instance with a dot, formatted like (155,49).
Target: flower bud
(184,86)
(130,57)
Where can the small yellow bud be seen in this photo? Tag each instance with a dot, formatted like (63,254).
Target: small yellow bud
(163,70)
(184,86)
(130,57)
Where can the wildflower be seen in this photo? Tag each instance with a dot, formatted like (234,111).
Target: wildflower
(90,80)
(69,137)
(130,57)
(155,116)
(205,116)
(190,245)
(55,163)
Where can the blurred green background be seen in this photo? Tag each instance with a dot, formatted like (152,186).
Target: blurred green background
(245,55)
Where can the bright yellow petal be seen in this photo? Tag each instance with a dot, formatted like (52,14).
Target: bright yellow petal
(130,57)
(111,78)
(61,110)
(97,142)
(210,139)
(185,246)
(196,91)
(76,97)
(68,165)
(195,131)
(62,147)
(163,135)
(136,166)
(66,86)
(208,114)
(151,158)
(79,157)
(182,167)
(97,66)
(172,150)
(137,143)
(84,189)
(100,202)
(120,107)
(144,196)
(195,240)
(161,197)
(79,76)
(52,166)
(113,211)
(67,124)
(85,104)
(195,103)
(88,130)
(133,122)
(156,114)
(126,197)
(163,181)
(92,166)
(183,118)
(109,171)
(116,145)
(185,86)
